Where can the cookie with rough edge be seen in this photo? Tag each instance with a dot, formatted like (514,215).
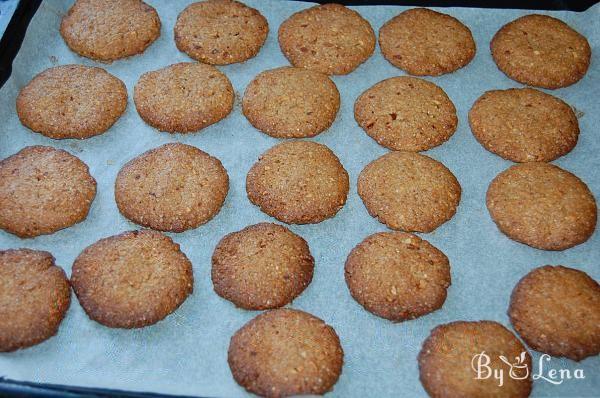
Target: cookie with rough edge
(43,190)
(184,97)
(406,114)
(409,192)
(425,42)
(556,310)
(298,182)
(107,30)
(449,353)
(329,38)
(174,187)
(542,205)
(220,32)
(286,352)
(132,280)
(262,266)
(72,101)
(524,125)
(34,298)
(397,276)
(542,51)
(291,102)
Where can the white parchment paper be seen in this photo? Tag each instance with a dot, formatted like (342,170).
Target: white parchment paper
(187,352)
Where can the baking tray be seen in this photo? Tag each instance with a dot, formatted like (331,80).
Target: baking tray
(411,334)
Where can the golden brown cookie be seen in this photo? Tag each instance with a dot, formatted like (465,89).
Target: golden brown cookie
(286,352)
(291,102)
(72,101)
(408,191)
(524,125)
(556,310)
(132,280)
(450,355)
(183,97)
(406,114)
(542,205)
(298,182)
(262,266)
(107,30)
(397,276)
(174,187)
(425,42)
(43,190)
(328,38)
(34,298)
(220,32)
(542,51)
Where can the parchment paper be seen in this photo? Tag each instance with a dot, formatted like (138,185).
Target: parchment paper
(187,352)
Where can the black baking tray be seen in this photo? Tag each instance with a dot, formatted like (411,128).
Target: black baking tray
(9,47)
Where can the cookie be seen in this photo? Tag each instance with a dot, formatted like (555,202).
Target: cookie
(542,205)
(220,32)
(409,192)
(174,187)
(328,38)
(43,190)
(397,276)
(286,352)
(406,114)
(34,298)
(183,97)
(542,51)
(262,266)
(291,102)
(132,280)
(425,42)
(107,30)
(72,101)
(556,310)
(298,182)
(450,355)
(524,125)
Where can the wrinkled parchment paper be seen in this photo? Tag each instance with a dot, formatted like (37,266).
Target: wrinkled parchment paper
(187,352)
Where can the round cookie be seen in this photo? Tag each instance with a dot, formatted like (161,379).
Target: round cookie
(408,191)
(72,101)
(43,190)
(286,352)
(449,357)
(174,187)
(542,51)
(132,280)
(406,114)
(220,32)
(298,182)
(556,310)
(183,97)
(542,205)
(34,298)
(328,38)
(262,266)
(107,30)
(524,125)
(397,276)
(425,42)
(291,102)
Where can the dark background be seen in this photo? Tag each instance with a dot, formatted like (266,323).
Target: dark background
(11,43)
